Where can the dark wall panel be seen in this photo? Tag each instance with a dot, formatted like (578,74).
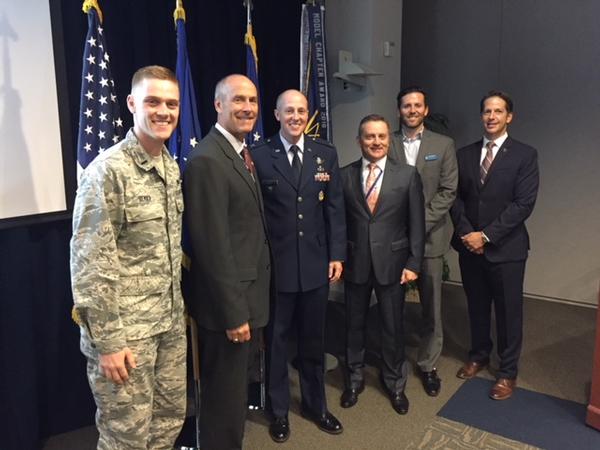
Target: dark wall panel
(546,55)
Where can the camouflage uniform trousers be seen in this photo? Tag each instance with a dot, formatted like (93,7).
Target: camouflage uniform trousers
(147,411)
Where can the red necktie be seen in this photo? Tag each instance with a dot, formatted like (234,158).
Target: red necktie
(248,160)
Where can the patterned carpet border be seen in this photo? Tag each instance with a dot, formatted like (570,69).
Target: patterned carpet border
(445,434)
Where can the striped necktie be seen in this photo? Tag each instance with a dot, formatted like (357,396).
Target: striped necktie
(487,162)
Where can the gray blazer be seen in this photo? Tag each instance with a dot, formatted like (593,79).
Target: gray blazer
(436,163)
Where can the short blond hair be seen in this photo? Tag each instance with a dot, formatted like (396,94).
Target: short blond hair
(152,72)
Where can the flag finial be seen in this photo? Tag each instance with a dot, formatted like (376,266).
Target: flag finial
(89,4)
(179,12)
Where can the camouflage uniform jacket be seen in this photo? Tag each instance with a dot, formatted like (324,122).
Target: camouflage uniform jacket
(126,247)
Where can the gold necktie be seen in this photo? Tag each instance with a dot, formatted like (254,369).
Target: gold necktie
(371,191)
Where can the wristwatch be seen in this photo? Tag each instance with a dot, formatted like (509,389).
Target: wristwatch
(484,238)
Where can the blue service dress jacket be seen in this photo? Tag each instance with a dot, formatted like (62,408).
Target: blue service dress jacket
(306,221)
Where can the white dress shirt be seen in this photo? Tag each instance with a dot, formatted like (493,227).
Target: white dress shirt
(287,145)
(497,144)
(366,170)
(412,146)
(237,145)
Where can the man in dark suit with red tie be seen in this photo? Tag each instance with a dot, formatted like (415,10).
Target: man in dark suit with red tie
(385,219)
(231,269)
(497,188)
(304,208)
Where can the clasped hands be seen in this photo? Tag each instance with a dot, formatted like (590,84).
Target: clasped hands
(239,334)
(474,242)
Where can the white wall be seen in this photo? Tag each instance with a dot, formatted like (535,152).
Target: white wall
(361,27)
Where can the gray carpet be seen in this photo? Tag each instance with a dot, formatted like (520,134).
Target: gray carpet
(556,360)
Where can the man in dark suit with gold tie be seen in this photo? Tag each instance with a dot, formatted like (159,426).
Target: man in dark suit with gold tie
(386,238)
(230,270)
(497,188)
(304,208)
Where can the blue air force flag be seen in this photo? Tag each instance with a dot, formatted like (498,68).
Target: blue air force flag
(252,73)
(187,134)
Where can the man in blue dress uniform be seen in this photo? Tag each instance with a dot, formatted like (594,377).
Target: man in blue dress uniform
(304,208)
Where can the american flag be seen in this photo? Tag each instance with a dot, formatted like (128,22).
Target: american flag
(100,125)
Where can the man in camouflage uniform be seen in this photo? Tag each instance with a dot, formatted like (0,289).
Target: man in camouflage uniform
(125,271)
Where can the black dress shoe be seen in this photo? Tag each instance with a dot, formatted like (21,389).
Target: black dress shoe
(326,422)
(350,396)
(431,382)
(279,430)
(399,402)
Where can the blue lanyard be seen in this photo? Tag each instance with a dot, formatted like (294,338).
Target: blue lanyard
(374,183)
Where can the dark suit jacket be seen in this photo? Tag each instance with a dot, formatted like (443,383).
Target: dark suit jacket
(230,269)
(391,239)
(499,207)
(306,222)
(436,164)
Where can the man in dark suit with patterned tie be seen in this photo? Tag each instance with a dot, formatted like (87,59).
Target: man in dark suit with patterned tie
(304,208)
(386,238)
(434,157)
(497,188)
(231,269)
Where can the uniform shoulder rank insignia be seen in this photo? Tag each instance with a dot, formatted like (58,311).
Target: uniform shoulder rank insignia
(323,142)
(259,143)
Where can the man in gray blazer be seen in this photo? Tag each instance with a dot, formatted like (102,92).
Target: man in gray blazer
(230,269)
(435,159)
(386,236)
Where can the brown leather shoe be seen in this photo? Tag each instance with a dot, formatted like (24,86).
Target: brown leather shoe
(503,388)
(470,369)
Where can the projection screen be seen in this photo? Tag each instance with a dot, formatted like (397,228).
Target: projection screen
(32,178)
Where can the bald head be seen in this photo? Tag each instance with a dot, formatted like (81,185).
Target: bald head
(289,93)
(236,103)
(292,114)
